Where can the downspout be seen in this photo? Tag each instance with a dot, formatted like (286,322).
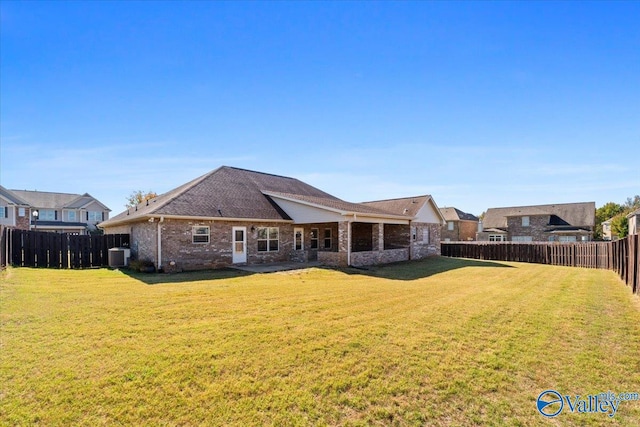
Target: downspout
(160,243)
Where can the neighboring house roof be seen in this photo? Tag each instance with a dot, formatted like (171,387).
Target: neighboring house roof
(44,199)
(634,213)
(453,214)
(12,197)
(575,214)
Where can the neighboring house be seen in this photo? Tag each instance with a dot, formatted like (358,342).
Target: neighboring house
(236,216)
(566,222)
(634,225)
(460,226)
(607,233)
(14,212)
(56,212)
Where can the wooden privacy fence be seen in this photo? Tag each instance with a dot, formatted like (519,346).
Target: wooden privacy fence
(622,256)
(23,248)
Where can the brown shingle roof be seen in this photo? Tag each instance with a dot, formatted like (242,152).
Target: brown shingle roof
(334,204)
(576,214)
(45,199)
(453,214)
(226,192)
(406,206)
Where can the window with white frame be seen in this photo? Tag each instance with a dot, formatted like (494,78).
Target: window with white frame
(71,216)
(268,239)
(47,215)
(4,212)
(314,238)
(21,212)
(200,234)
(327,238)
(450,225)
(522,239)
(525,221)
(94,216)
(566,238)
(425,235)
(496,238)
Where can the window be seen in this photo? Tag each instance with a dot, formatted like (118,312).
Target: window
(297,237)
(450,225)
(71,215)
(314,238)
(566,238)
(93,216)
(327,238)
(496,238)
(47,215)
(268,239)
(21,212)
(4,212)
(200,234)
(525,221)
(425,235)
(522,239)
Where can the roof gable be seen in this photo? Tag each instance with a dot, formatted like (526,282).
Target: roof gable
(45,199)
(11,197)
(454,214)
(226,192)
(423,208)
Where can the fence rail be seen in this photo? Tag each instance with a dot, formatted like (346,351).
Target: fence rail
(622,256)
(24,248)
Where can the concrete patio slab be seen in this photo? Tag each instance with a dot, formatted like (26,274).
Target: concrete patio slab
(280,266)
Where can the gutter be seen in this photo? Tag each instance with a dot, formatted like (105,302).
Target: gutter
(185,217)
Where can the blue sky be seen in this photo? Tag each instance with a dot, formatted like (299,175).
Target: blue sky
(479,104)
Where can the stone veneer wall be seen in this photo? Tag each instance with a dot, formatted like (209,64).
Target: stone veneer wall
(361,259)
(421,248)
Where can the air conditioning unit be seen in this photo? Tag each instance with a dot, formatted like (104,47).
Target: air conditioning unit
(119,257)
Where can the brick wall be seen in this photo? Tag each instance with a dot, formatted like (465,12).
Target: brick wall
(23,222)
(536,229)
(180,253)
(462,231)
(421,247)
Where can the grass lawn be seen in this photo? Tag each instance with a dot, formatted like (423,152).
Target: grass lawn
(436,342)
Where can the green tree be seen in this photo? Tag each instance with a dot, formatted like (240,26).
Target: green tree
(137,197)
(620,225)
(632,203)
(603,213)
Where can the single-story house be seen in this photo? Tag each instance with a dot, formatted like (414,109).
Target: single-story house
(563,222)
(50,211)
(236,216)
(460,226)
